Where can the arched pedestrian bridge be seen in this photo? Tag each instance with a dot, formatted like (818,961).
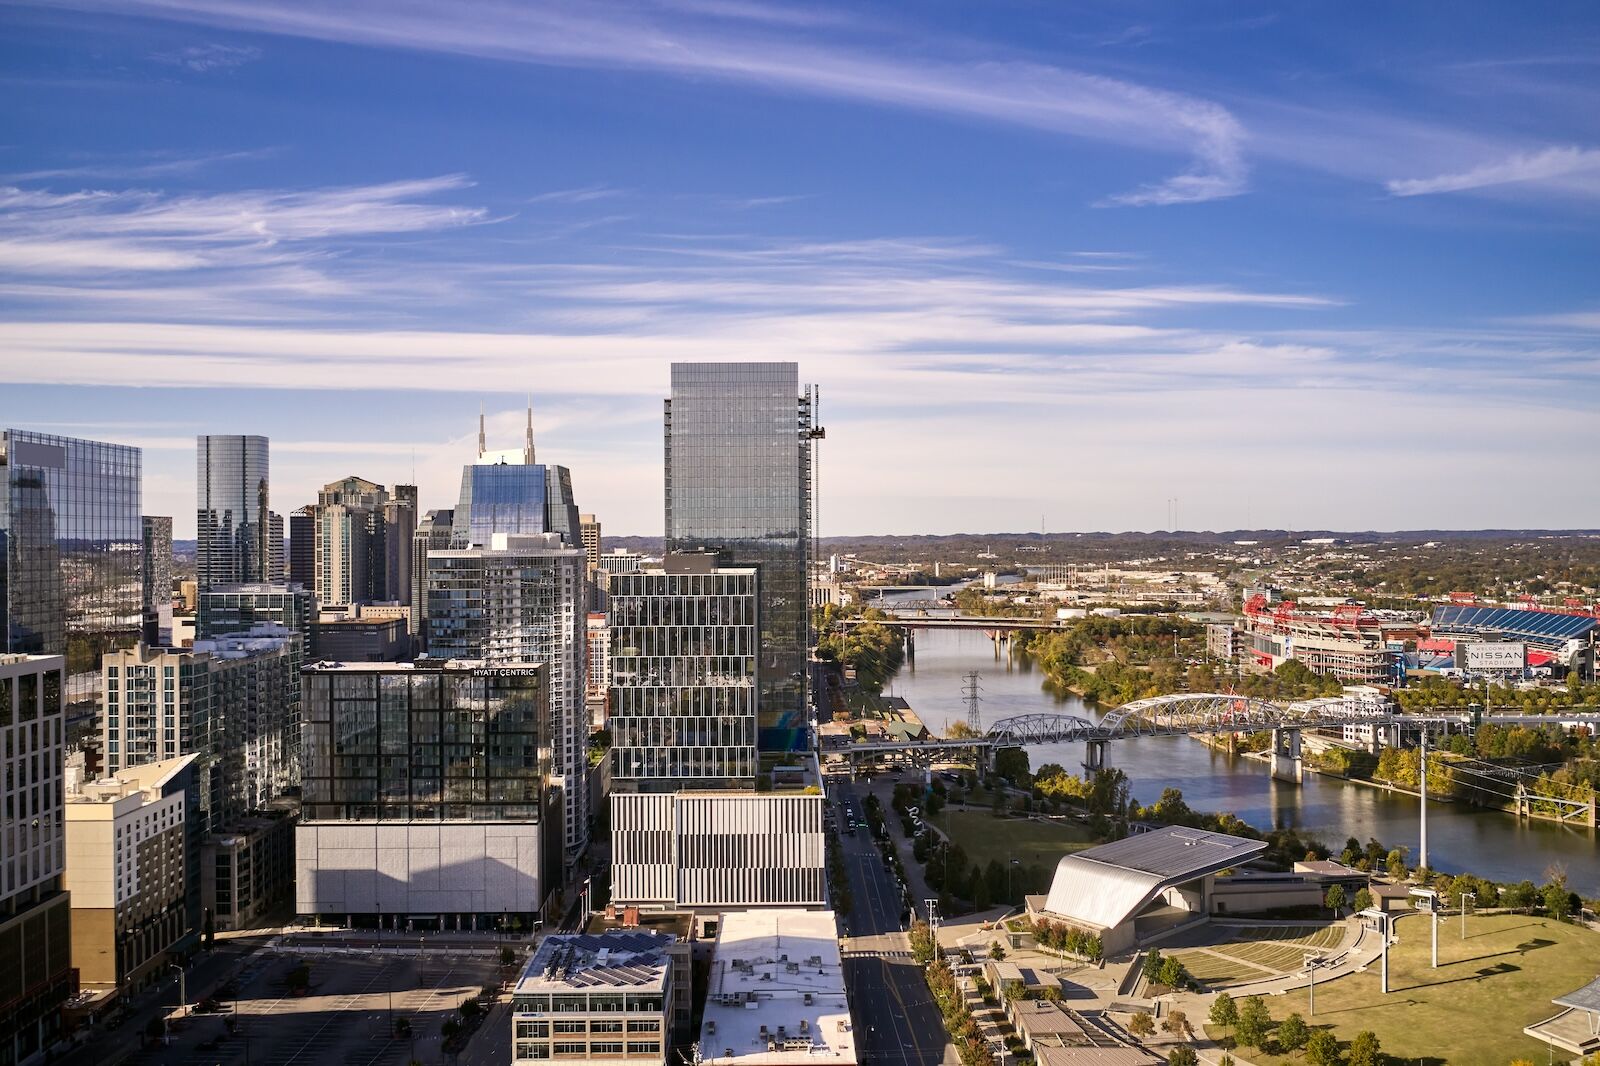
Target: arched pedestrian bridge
(1175,715)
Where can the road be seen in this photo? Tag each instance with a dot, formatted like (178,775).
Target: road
(897,1021)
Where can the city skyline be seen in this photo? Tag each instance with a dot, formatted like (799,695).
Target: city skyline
(1045,264)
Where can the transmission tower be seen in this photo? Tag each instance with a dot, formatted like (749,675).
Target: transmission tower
(969,693)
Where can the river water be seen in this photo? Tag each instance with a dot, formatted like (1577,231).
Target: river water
(1487,843)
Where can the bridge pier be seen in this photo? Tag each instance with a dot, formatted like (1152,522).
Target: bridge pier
(911,647)
(1094,756)
(1285,762)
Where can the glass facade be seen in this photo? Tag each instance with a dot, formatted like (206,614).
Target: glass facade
(737,463)
(224,610)
(524,600)
(499,498)
(231,509)
(71,554)
(683,679)
(157,578)
(444,743)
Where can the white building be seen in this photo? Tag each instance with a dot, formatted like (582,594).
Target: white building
(712,850)
(775,995)
(595,997)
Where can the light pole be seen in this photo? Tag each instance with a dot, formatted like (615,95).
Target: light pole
(933,924)
(1422,779)
(1312,962)
(183,990)
(1473,896)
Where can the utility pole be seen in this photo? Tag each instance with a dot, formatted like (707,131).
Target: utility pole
(1312,962)
(933,923)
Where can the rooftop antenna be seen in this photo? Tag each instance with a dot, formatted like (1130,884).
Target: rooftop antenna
(527,447)
(483,443)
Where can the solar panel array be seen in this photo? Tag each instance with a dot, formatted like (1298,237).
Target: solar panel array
(1546,627)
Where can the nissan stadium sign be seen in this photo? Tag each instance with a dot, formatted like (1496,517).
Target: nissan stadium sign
(1499,655)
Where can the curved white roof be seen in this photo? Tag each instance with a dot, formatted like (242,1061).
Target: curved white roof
(1105,886)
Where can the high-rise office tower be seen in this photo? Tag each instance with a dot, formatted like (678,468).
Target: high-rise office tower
(35,914)
(683,676)
(589,533)
(433,534)
(523,599)
(425,793)
(738,460)
(156,574)
(229,610)
(275,548)
(351,542)
(303,548)
(71,552)
(231,514)
(400,527)
(509,492)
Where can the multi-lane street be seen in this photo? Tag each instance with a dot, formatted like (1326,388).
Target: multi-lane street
(897,1021)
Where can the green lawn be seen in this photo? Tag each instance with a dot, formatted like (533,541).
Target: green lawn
(1468,1012)
(985,837)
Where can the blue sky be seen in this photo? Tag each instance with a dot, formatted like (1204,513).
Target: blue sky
(1295,265)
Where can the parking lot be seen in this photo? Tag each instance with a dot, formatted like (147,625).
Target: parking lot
(344,1018)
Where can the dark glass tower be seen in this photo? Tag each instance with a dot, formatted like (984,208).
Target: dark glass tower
(738,451)
(71,568)
(231,510)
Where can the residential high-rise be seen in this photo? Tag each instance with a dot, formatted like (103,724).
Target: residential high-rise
(523,599)
(683,645)
(351,553)
(35,941)
(132,867)
(425,793)
(234,701)
(71,580)
(589,533)
(303,548)
(433,534)
(156,574)
(738,457)
(275,548)
(231,479)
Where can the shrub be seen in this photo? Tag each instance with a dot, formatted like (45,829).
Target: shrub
(1142,1025)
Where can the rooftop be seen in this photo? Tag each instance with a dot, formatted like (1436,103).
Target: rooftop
(1586,998)
(135,779)
(776,993)
(1048,1055)
(580,961)
(1106,885)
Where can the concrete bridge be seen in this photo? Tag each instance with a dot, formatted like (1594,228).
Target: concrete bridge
(1182,714)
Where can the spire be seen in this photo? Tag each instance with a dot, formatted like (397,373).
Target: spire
(527,447)
(483,444)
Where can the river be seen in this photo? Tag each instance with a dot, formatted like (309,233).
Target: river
(1487,843)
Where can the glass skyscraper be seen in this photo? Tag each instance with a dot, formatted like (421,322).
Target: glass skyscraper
(231,512)
(499,498)
(71,568)
(738,452)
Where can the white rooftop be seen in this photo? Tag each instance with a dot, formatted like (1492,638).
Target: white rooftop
(627,960)
(776,992)
(1106,885)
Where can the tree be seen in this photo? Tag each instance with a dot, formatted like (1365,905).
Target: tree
(1557,900)
(1364,1049)
(1142,1025)
(1224,1011)
(1173,974)
(470,1009)
(1254,1020)
(1335,899)
(1322,1049)
(1177,1024)
(1012,764)
(996,951)
(1293,1034)
(1396,862)
(1226,1060)
(1152,965)
(1182,1056)
(1363,900)
(507,956)
(450,1029)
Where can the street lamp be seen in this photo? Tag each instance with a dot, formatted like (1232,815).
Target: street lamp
(1312,962)
(1011,881)
(1473,896)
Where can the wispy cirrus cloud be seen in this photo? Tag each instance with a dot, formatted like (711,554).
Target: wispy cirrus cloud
(206,58)
(1560,164)
(104,231)
(727,41)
